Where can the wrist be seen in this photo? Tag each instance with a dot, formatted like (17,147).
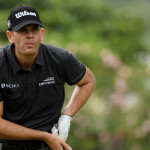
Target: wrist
(67,116)
(44,136)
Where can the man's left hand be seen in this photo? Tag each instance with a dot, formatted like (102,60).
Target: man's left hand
(63,127)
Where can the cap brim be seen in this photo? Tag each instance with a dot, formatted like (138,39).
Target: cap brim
(24,23)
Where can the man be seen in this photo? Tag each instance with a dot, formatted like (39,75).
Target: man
(32,78)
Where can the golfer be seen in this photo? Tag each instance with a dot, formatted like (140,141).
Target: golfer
(32,78)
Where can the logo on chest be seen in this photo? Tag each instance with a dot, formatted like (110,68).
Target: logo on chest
(47,81)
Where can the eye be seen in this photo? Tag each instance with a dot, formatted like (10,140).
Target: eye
(22,30)
(36,28)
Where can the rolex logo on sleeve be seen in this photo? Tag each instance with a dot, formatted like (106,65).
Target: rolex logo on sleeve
(10,86)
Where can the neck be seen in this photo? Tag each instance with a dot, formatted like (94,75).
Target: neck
(27,65)
(26,61)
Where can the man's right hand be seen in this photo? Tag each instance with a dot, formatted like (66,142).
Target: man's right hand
(56,143)
(13,131)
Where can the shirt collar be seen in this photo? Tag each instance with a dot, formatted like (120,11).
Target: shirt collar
(13,60)
(39,58)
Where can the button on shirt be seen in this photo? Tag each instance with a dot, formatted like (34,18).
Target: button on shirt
(35,98)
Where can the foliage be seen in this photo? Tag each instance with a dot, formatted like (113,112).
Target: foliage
(110,42)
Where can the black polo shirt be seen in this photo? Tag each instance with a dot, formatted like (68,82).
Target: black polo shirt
(35,98)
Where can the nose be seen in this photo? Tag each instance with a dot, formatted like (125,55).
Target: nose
(29,34)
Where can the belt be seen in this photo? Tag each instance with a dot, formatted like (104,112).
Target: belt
(23,145)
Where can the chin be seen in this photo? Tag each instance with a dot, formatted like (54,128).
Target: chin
(30,51)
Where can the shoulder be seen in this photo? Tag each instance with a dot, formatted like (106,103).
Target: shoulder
(54,52)
(3,52)
(53,49)
(3,57)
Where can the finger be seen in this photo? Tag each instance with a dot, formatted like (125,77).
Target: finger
(63,135)
(57,147)
(66,147)
(54,131)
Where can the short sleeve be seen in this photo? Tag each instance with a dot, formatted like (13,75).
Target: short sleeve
(1,92)
(1,95)
(74,69)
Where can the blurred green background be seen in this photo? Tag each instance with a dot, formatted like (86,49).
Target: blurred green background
(111,37)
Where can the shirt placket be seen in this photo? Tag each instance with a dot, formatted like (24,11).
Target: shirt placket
(29,84)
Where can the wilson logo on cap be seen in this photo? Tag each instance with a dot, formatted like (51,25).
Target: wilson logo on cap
(25,13)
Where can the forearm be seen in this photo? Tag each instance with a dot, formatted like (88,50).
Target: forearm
(12,131)
(79,97)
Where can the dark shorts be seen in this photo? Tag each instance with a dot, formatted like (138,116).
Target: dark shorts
(23,145)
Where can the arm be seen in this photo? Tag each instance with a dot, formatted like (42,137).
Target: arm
(79,97)
(80,94)
(12,131)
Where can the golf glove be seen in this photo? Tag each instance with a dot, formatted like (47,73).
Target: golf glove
(63,127)
(55,129)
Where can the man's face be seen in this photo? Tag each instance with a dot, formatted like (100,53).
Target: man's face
(27,39)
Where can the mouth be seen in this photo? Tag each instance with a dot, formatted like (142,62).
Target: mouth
(29,44)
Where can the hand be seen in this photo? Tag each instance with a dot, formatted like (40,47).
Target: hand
(63,127)
(56,143)
(55,129)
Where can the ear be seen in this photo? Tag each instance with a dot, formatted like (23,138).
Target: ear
(42,33)
(9,35)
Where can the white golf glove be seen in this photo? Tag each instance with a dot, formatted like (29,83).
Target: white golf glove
(63,127)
